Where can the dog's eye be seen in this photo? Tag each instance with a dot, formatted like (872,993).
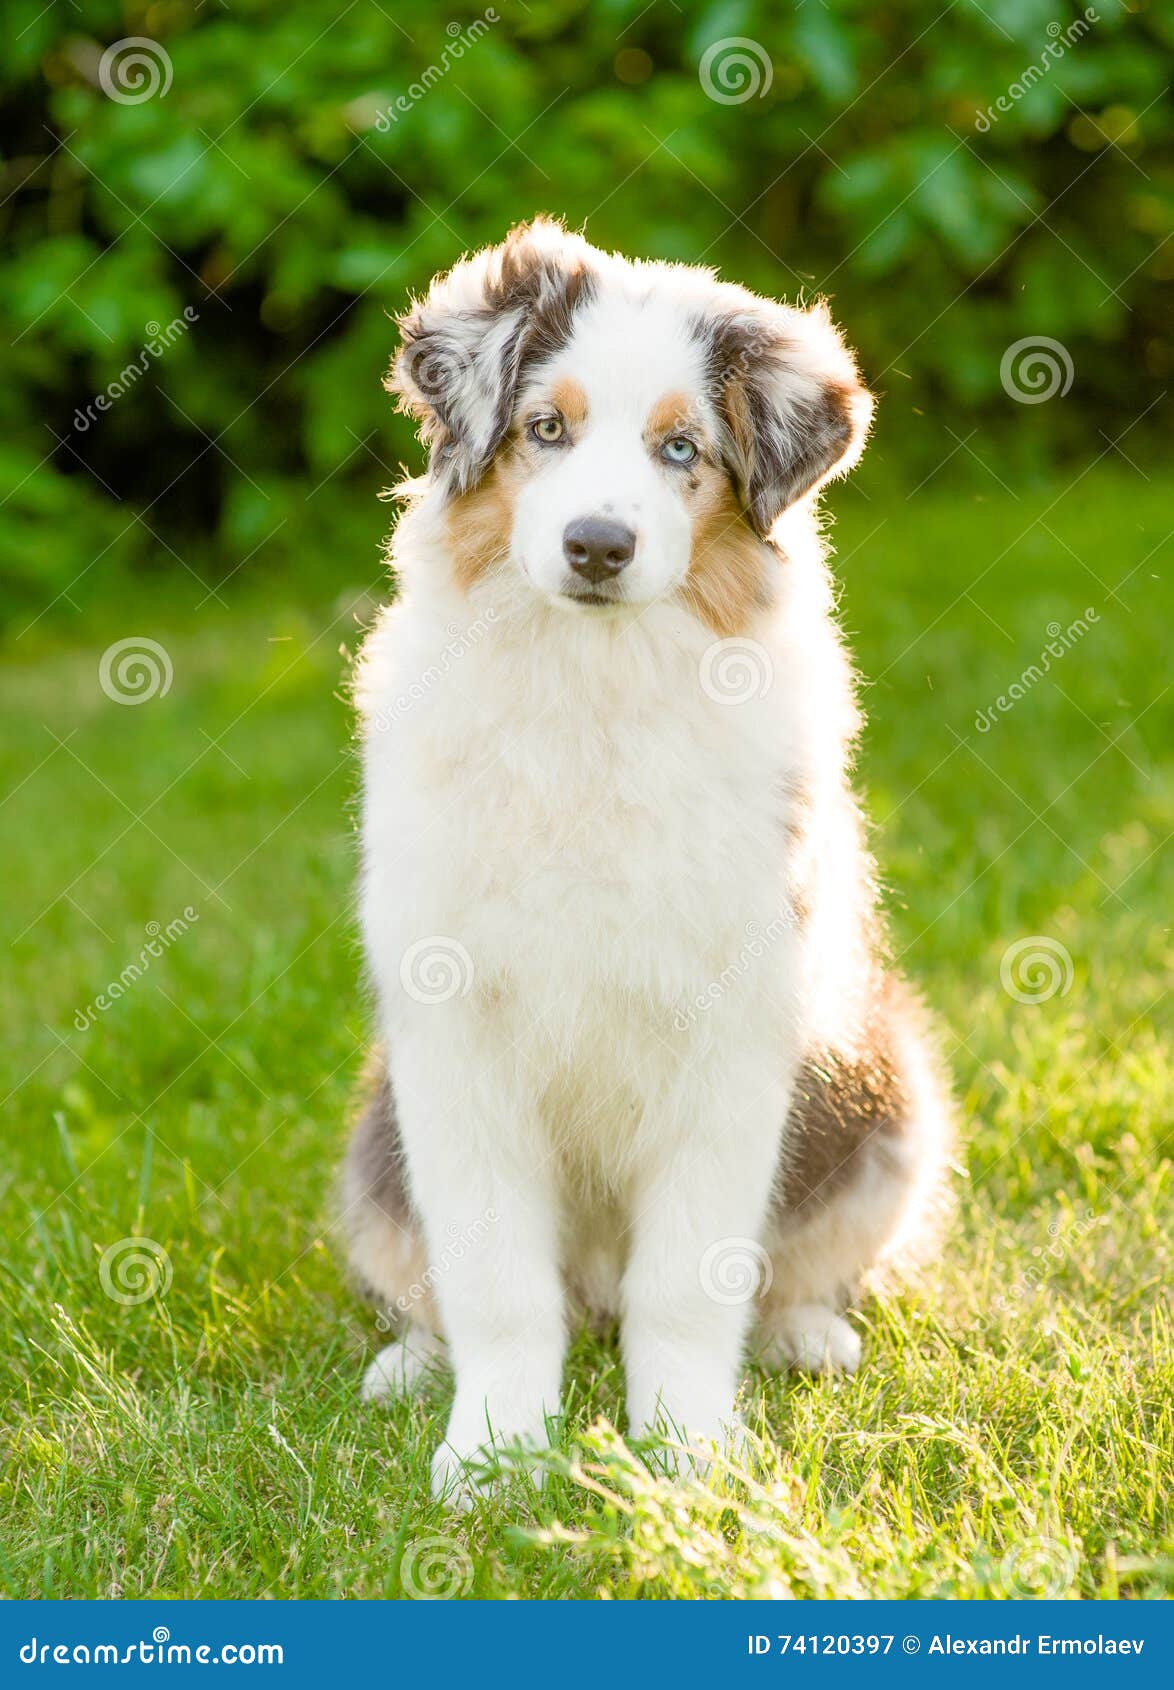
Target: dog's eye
(678,450)
(548,430)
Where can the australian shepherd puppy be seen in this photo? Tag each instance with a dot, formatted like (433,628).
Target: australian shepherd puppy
(640,1051)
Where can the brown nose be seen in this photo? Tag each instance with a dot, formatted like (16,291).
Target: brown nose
(596,548)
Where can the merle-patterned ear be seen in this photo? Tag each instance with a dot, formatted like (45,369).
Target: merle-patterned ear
(466,344)
(793,409)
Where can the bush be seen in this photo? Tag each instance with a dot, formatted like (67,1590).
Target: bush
(286,175)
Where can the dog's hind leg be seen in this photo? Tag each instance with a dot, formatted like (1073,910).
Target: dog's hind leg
(401,1367)
(863,1157)
(386,1246)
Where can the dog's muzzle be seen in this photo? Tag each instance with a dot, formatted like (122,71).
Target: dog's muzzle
(598,550)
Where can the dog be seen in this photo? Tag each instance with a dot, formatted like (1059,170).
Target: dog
(641,1051)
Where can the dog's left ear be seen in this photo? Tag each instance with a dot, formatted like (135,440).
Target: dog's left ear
(793,409)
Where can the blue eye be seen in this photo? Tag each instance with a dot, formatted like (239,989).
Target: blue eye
(678,450)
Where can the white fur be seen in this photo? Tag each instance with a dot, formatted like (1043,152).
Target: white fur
(626,355)
(568,804)
(400,1367)
(639,846)
(816,1339)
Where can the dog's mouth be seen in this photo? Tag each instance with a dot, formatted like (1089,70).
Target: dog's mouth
(594,598)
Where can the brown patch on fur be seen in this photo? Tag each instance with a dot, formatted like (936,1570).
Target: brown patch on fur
(542,287)
(571,400)
(784,432)
(386,1244)
(847,1103)
(729,577)
(670,415)
(550,289)
(375,1159)
(478,526)
(741,424)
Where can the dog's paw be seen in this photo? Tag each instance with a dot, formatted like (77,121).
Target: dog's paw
(400,1368)
(453,1481)
(474,1461)
(685,1430)
(815,1339)
(680,1454)
(459,1478)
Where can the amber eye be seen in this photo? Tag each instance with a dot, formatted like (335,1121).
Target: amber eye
(548,429)
(678,450)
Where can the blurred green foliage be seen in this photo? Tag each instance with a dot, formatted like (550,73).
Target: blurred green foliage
(301,168)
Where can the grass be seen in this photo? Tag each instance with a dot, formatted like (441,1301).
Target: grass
(1010,1432)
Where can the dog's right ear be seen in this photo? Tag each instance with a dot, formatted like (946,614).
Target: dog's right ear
(466,344)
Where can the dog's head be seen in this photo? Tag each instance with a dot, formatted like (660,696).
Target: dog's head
(620,431)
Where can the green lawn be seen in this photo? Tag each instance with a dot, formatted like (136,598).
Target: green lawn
(1010,1431)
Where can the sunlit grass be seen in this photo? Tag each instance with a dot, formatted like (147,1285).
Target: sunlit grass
(1011,1428)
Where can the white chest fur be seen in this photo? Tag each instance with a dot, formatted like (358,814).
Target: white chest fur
(570,807)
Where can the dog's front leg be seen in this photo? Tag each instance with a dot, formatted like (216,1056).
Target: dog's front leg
(489,1213)
(696,1262)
